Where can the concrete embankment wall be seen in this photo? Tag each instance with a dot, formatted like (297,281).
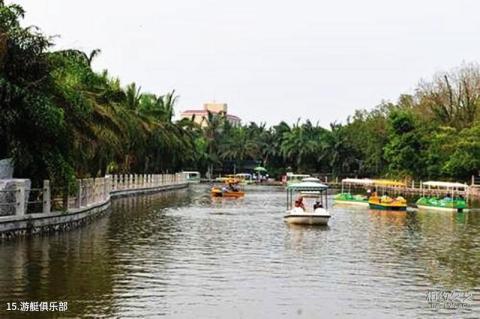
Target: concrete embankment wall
(91,201)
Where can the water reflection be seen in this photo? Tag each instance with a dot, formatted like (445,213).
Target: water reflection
(185,255)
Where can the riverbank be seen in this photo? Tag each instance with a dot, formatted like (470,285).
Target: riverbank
(92,200)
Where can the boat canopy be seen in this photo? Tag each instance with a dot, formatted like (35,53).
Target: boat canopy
(444,184)
(192,173)
(311,180)
(357,181)
(307,186)
(386,182)
(290,174)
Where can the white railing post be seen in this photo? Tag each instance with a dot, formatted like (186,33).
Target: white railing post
(20,199)
(109,190)
(79,193)
(95,190)
(91,191)
(104,194)
(46,197)
(87,191)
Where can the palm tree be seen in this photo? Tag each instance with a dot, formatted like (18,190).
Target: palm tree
(240,145)
(133,97)
(215,125)
(299,144)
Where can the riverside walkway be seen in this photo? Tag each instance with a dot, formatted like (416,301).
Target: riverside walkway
(26,210)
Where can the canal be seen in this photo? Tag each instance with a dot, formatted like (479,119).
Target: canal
(186,255)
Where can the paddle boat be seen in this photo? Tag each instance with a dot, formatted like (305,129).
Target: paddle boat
(192,176)
(245,178)
(346,197)
(311,180)
(292,178)
(229,189)
(310,205)
(452,201)
(386,202)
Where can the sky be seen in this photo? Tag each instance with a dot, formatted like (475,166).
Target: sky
(270,60)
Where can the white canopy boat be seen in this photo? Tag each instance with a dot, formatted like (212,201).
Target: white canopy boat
(444,196)
(310,212)
(346,196)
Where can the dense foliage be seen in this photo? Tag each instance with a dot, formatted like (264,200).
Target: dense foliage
(60,119)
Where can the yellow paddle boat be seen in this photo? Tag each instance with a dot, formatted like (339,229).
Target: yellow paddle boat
(230,189)
(386,202)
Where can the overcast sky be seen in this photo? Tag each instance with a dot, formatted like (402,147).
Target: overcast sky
(270,60)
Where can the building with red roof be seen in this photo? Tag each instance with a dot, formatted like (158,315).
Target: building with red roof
(201,116)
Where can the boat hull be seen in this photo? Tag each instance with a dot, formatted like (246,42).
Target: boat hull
(300,217)
(351,202)
(306,219)
(445,209)
(388,207)
(219,193)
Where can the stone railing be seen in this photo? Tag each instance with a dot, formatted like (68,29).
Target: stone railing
(141,181)
(20,199)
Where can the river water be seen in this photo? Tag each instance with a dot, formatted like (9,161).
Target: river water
(185,255)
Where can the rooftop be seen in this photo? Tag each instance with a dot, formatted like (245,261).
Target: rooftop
(204,112)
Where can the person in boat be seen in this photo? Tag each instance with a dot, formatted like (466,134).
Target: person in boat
(385,198)
(447,197)
(232,187)
(317,205)
(299,203)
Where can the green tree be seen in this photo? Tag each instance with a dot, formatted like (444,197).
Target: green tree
(404,149)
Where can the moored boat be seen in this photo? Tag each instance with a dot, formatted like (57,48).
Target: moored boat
(386,202)
(299,213)
(192,176)
(346,197)
(245,178)
(452,201)
(291,178)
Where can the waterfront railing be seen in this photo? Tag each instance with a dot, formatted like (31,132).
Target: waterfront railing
(21,199)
